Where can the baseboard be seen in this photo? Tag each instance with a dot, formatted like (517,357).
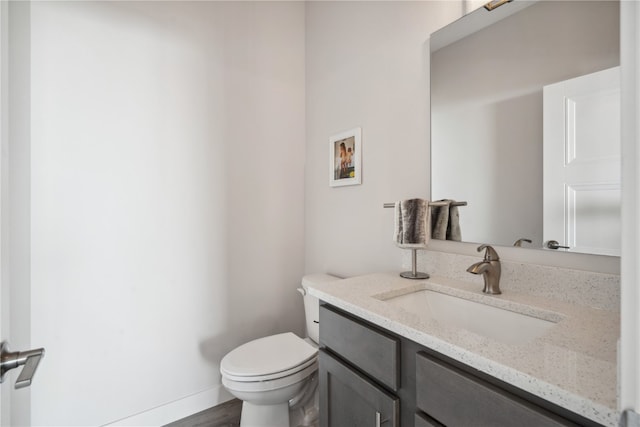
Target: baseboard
(178,409)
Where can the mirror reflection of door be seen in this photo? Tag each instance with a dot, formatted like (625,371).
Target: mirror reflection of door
(582,163)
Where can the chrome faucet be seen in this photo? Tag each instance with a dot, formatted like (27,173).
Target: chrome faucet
(490,269)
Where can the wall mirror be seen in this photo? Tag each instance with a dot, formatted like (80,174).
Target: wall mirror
(525,124)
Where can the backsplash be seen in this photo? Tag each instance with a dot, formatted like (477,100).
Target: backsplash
(596,290)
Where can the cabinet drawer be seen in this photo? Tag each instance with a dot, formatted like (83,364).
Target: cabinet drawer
(457,398)
(368,349)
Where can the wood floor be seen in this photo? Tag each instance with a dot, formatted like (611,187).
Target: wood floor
(224,415)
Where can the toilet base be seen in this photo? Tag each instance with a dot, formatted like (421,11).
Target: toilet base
(264,415)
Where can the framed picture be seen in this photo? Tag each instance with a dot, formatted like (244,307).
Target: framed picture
(345,158)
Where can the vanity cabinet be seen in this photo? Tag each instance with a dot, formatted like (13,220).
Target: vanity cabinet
(372,377)
(357,381)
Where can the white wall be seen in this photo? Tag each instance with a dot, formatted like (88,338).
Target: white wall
(166,197)
(368,66)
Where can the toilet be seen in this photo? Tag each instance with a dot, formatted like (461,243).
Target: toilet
(276,376)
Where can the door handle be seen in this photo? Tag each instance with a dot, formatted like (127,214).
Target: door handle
(13,359)
(553,244)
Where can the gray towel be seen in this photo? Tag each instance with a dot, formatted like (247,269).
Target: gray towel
(411,219)
(453,231)
(445,223)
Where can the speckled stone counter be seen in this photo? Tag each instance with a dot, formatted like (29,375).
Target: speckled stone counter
(573,365)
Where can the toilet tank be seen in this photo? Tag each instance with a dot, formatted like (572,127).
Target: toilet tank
(311,303)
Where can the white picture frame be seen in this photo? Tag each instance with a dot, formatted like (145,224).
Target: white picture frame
(345,158)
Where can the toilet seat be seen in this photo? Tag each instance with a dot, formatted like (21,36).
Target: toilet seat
(251,386)
(269,358)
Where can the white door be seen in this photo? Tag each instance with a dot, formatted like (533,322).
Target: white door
(18,363)
(118,221)
(582,163)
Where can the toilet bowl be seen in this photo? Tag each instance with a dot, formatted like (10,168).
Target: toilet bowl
(265,374)
(275,374)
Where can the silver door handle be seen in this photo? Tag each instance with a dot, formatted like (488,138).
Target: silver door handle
(553,244)
(12,359)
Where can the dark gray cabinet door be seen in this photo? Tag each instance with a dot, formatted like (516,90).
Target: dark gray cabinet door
(348,398)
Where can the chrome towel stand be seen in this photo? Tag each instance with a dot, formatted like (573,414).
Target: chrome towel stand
(439,203)
(414,273)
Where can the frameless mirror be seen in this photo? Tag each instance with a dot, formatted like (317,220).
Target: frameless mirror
(525,124)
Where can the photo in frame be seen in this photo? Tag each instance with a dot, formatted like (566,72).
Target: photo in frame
(345,158)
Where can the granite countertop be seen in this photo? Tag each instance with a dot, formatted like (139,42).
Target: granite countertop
(573,365)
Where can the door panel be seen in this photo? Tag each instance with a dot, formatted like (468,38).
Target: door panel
(594,211)
(581,173)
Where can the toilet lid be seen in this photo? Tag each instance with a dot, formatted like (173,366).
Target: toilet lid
(267,356)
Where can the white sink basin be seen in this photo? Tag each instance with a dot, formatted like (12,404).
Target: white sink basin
(499,324)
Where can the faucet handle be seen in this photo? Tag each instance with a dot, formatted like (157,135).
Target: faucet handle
(518,243)
(490,254)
